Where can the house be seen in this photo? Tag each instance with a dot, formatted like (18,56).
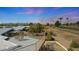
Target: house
(27,44)
(20,27)
(18,43)
(13,44)
(6,45)
(9,32)
(5,30)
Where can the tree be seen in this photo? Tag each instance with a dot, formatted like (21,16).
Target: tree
(60,19)
(77,23)
(67,21)
(30,23)
(47,24)
(32,29)
(38,28)
(67,24)
(49,36)
(57,23)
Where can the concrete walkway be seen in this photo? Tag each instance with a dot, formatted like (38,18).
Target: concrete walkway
(62,46)
(54,45)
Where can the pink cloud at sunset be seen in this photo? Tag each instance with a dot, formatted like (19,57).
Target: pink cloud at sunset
(31,11)
(25,12)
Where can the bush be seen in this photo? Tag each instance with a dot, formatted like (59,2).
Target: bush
(70,49)
(31,24)
(49,37)
(32,29)
(74,44)
(57,24)
(46,33)
(25,29)
(38,28)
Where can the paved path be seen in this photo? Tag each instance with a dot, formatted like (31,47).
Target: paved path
(54,45)
(62,46)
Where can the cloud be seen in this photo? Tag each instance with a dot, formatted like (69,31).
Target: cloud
(76,17)
(39,11)
(26,12)
(69,14)
(31,11)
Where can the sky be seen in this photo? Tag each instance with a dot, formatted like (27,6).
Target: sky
(37,14)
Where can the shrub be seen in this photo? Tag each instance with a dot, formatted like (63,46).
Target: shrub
(70,49)
(49,37)
(57,24)
(25,29)
(38,28)
(74,44)
(32,29)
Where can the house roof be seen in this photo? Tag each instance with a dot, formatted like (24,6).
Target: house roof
(13,43)
(27,41)
(3,37)
(6,45)
(18,27)
(3,30)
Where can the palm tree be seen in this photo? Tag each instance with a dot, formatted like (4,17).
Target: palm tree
(60,19)
(67,20)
